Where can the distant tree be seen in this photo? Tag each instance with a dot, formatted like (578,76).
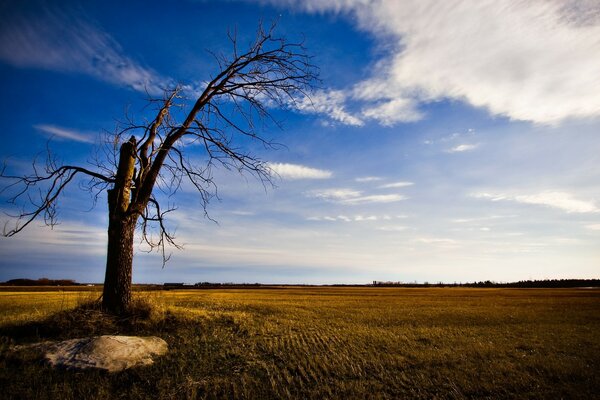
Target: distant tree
(145,156)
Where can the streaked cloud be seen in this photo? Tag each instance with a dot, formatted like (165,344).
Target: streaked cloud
(330,103)
(462,148)
(390,111)
(352,218)
(534,61)
(376,198)
(368,179)
(76,239)
(481,219)
(54,40)
(351,196)
(65,133)
(396,185)
(561,200)
(242,213)
(393,228)
(438,242)
(335,194)
(295,171)
(366,218)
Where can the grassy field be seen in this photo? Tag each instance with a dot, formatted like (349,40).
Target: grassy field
(322,343)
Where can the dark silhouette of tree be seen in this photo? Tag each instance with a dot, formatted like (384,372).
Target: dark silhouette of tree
(144,157)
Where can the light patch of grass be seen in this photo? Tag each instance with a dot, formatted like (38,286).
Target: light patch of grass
(24,306)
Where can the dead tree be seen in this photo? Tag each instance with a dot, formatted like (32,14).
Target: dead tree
(270,73)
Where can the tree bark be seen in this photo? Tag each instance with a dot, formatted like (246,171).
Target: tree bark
(116,296)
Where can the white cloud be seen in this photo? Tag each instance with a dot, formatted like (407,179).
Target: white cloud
(356,218)
(480,219)
(529,60)
(396,185)
(295,171)
(491,196)
(73,238)
(564,201)
(243,213)
(594,227)
(64,133)
(462,148)
(442,242)
(561,200)
(368,179)
(395,228)
(330,103)
(361,218)
(336,194)
(391,111)
(350,196)
(376,198)
(320,5)
(59,42)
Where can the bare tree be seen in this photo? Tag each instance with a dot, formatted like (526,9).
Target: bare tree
(151,155)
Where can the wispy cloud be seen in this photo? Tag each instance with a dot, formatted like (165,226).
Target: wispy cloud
(243,213)
(561,200)
(390,111)
(462,148)
(481,219)
(439,242)
(532,63)
(376,198)
(393,228)
(54,40)
(295,171)
(368,179)
(350,196)
(330,103)
(396,185)
(334,103)
(353,218)
(65,133)
(335,194)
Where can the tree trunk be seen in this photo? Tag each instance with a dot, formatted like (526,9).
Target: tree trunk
(116,296)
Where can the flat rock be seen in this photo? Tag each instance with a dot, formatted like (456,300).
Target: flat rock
(110,353)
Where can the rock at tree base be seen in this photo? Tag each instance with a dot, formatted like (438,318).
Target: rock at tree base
(110,353)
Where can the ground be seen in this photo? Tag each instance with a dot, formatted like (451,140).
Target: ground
(319,343)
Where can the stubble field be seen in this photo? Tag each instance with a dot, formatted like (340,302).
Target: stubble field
(321,343)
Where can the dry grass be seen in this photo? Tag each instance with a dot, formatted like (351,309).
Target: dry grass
(327,343)
(25,306)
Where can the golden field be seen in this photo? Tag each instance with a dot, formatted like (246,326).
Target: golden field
(321,343)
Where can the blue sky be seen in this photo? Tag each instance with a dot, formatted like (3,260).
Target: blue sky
(446,142)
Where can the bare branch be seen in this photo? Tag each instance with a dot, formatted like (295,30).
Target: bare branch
(177,146)
(55,180)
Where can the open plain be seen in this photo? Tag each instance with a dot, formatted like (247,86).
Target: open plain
(319,343)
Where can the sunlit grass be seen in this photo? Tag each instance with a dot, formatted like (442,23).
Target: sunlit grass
(30,306)
(343,343)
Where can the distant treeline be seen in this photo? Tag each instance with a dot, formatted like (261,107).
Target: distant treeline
(217,285)
(40,282)
(547,283)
